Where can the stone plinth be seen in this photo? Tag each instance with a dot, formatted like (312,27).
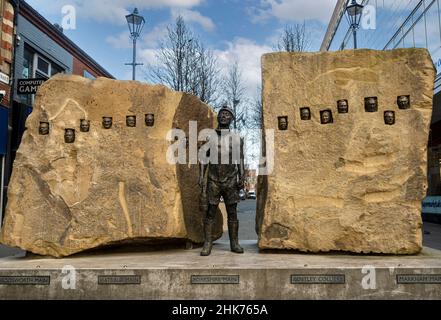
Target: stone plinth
(180,274)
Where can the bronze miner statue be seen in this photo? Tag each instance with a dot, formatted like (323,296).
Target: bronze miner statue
(69,135)
(44,128)
(223,180)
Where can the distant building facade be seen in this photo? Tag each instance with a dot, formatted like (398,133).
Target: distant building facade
(250,180)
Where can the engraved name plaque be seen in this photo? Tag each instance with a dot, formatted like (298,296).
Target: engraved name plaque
(418,278)
(25,280)
(118,279)
(212,279)
(318,279)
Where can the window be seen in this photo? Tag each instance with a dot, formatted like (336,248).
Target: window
(36,65)
(43,67)
(56,69)
(28,63)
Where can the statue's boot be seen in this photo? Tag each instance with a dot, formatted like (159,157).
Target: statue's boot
(233,231)
(208,234)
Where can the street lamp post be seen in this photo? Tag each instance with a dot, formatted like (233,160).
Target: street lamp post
(354,11)
(136,23)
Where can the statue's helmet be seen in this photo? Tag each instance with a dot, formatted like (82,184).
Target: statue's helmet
(227,108)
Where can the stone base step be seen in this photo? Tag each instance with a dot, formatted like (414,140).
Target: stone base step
(177,273)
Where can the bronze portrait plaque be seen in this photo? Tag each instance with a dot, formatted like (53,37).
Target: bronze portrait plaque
(69,135)
(371,104)
(342,106)
(305,113)
(131,121)
(107,122)
(403,102)
(326,117)
(149,120)
(43,128)
(84,125)
(283,123)
(389,117)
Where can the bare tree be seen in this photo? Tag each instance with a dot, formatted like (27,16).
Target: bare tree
(185,64)
(294,38)
(234,92)
(256,112)
(207,76)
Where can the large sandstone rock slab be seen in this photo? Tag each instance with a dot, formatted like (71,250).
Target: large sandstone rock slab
(110,185)
(355,184)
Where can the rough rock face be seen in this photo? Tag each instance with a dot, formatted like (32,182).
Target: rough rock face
(355,184)
(110,185)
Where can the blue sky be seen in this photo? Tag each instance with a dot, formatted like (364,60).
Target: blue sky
(233,29)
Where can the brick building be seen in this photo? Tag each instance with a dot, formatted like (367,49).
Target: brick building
(6,32)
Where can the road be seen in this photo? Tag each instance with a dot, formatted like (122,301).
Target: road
(246,215)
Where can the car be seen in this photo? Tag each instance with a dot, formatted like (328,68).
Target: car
(242,195)
(251,195)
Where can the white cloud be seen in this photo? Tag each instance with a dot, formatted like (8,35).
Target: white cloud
(148,57)
(120,41)
(248,54)
(196,17)
(154,37)
(113,11)
(294,10)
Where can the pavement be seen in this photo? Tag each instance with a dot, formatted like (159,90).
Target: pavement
(247,216)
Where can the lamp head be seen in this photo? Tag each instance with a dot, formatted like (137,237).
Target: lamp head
(136,23)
